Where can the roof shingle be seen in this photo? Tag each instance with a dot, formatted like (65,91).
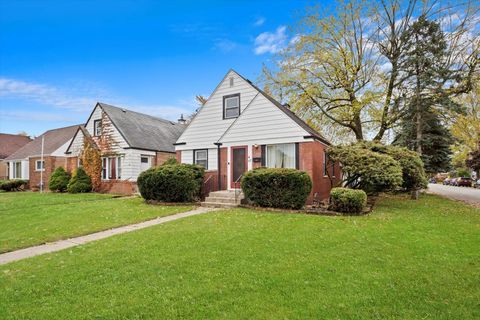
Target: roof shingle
(9,143)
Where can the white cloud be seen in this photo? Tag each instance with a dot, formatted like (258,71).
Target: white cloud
(45,94)
(36,116)
(259,22)
(271,42)
(225,45)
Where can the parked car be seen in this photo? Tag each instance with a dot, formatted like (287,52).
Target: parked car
(448,181)
(464,182)
(454,182)
(432,180)
(477,184)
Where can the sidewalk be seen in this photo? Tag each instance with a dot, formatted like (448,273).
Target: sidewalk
(68,243)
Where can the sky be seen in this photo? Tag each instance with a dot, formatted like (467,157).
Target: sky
(57,58)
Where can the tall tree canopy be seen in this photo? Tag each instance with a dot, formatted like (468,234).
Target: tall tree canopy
(344,72)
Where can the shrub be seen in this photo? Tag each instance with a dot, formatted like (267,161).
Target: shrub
(365,169)
(171,183)
(59,180)
(277,188)
(13,185)
(413,173)
(463,172)
(348,200)
(80,182)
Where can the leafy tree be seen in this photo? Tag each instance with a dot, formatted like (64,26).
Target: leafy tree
(92,161)
(473,161)
(59,180)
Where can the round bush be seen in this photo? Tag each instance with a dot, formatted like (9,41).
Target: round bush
(277,188)
(348,200)
(59,180)
(171,183)
(80,182)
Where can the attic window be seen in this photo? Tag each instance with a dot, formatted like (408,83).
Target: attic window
(97,128)
(231,106)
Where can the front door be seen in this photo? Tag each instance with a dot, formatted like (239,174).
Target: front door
(239,165)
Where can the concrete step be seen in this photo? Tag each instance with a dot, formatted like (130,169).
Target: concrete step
(226,194)
(222,200)
(218,205)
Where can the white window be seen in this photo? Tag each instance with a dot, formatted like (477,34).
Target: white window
(111,168)
(201,157)
(97,128)
(17,170)
(281,156)
(231,106)
(40,165)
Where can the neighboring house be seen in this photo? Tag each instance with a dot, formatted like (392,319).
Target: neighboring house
(240,127)
(26,163)
(9,143)
(129,142)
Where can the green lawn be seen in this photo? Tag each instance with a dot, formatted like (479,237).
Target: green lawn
(28,218)
(407,260)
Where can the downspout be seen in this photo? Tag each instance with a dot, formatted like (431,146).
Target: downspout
(219,175)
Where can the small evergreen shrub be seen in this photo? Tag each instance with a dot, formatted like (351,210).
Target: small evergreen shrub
(59,180)
(80,182)
(276,187)
(171,183)
(348,200)
(13,185)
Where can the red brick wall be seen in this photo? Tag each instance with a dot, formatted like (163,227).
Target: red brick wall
(118,187)
(3,170)
(161,157)
(51,163)
(178,156)
(311,161)
(71,164)
(256,153)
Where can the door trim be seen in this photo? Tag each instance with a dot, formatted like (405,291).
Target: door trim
(232,183)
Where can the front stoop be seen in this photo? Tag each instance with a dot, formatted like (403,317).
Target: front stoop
(223,199)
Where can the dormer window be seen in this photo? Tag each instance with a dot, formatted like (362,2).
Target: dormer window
(97,128)
(231,106)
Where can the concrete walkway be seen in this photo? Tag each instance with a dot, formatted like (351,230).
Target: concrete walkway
(68,243)
(469,195)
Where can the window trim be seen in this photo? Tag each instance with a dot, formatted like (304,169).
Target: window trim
(95,126)
(236,95)
(295,156)
(107,168)
(195,157)
(14,172)
(36,165)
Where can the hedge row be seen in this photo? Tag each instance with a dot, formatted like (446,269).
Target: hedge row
(13,185)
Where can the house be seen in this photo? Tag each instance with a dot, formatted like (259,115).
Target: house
(240,128)
(130,142)
(26,163)
(9,143)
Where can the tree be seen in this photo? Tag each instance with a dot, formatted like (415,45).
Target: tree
(473,162)
(80,182)
(92,161)
(343,71)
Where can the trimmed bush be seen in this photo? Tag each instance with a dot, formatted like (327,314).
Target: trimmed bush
(171,183)
(348,200)
(277,188)
(59,180)
(13,185)
(80,182)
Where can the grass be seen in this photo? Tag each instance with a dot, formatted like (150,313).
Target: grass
(28,218)
(407,260)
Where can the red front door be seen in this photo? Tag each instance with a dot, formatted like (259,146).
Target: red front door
(238,165)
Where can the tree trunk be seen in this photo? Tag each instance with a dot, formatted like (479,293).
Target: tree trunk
(414,195)
(419,125)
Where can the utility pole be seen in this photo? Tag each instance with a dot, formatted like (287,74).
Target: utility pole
(43,166)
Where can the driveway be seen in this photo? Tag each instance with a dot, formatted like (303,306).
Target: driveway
(469,195)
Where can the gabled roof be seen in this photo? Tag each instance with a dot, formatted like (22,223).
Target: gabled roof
(314,133)
(53,139)
(9,143)
(142,131)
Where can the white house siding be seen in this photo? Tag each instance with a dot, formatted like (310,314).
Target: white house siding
(116,135)
(263,123)
(60,152)
(25,169)
(77,144)
(187,157)
(131,165)
(208,125)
